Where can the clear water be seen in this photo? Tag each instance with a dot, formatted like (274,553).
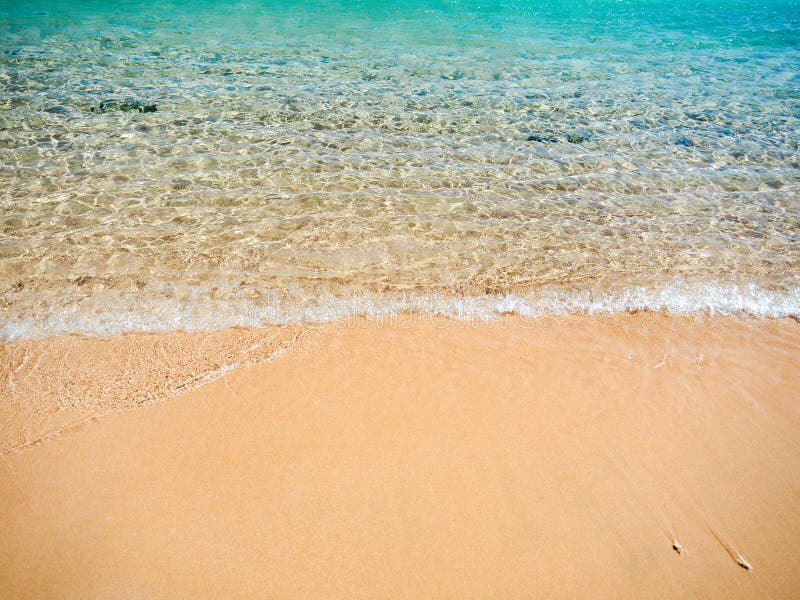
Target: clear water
(310,160)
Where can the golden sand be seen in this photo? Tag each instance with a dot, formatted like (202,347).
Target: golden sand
(625,456)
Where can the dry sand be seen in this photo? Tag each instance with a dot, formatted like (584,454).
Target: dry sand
(560,457)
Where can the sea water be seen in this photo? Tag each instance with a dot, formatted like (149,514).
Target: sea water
(312,160)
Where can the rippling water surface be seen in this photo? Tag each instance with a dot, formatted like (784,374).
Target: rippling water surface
(313,159)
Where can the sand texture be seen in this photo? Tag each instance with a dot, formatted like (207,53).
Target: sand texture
(628,456)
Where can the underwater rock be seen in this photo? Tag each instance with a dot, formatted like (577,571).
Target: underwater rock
(127,105)
(578,138)
(684,141)
(535,137)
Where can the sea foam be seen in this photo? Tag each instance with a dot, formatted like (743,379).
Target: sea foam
(113,317)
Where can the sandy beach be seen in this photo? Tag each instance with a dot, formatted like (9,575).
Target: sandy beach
(417,299)
(633,455)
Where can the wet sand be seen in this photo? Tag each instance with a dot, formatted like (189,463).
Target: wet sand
(557,457)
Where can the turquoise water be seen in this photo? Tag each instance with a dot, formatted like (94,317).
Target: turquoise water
(310,160)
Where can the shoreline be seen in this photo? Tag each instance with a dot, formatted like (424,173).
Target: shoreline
(421,457)
(109,312)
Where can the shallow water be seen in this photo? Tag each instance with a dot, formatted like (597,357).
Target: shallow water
(309,160)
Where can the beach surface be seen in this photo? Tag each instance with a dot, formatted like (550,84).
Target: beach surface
(631,455)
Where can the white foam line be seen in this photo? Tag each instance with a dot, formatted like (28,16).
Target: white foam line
(170,314)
